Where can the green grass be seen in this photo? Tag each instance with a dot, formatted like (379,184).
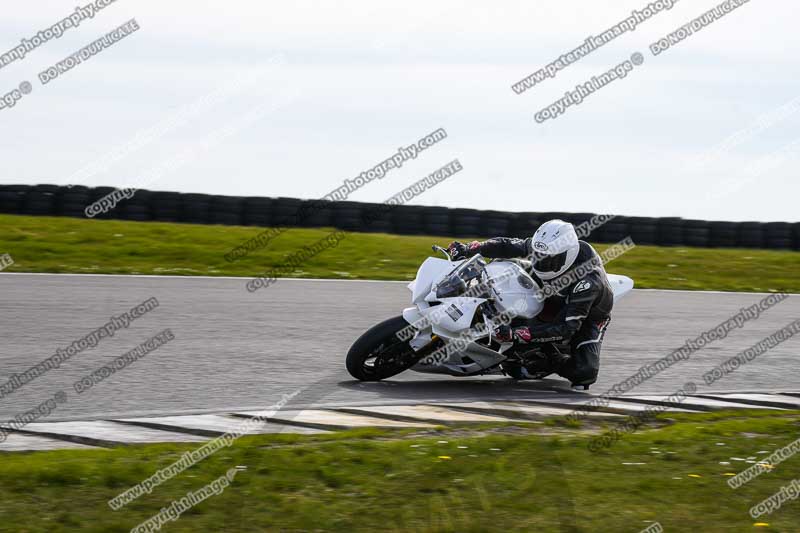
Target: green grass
(54,244)
(483,478)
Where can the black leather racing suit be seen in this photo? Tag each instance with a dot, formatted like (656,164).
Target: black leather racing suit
(585,307)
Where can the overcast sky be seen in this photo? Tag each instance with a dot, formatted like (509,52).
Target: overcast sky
(290,98)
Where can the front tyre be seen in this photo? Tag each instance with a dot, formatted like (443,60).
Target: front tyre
(379,354)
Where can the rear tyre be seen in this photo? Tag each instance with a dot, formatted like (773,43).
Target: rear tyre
(379,354)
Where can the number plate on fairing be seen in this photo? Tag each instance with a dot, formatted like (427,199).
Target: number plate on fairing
(454,313)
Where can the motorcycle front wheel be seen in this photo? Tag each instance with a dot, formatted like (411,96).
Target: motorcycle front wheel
(379,354)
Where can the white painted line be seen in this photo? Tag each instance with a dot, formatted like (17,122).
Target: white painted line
(427,413)
(324,419)
(18,442)
(107,431)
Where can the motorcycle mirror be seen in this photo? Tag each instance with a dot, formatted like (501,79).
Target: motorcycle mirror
(436,247)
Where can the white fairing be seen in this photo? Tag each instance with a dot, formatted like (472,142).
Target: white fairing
(455,315)
(620,285)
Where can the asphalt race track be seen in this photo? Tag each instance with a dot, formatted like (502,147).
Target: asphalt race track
(239,350)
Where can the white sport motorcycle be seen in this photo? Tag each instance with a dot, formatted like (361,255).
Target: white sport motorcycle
(457,308)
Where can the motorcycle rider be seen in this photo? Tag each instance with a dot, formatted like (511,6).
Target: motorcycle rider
(580,287)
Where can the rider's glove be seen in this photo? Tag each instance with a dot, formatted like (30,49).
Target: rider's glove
(521,335)
(459,250)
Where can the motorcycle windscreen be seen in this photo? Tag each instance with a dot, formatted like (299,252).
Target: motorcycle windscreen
(432,270)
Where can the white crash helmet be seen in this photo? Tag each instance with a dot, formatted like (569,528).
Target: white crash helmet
(554,248)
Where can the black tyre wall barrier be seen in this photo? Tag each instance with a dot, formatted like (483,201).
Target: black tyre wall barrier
(670,231)
(612,231)
(750,235)
(779,235)
(41,200)
(696,233)
(286,212)
(256,211)
(194,208)
(227,210)
(347,216)
(643,230)
(95,194)
(722,234)
(467,223)
(494,223)
(407,220)
(796,238)
(436,221)
(145,205)
(523,225)
(315,214)
(12,198)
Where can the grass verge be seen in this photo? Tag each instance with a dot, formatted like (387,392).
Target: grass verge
(72,245)
(518,477)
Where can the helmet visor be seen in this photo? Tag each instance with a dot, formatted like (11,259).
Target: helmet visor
(550,263)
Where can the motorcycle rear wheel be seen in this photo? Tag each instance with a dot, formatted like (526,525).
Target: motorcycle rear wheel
(379,354)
